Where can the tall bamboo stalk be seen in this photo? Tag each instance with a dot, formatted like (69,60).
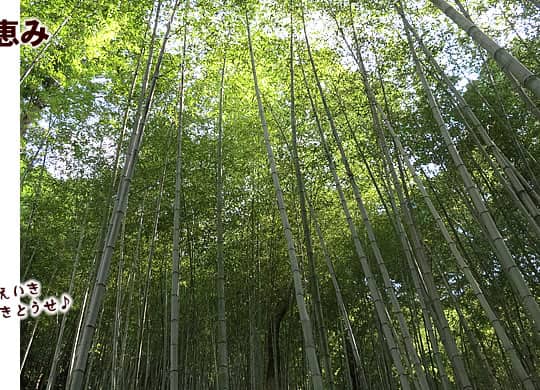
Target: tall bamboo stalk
(175,288)
(510,267)
(516,185)
(508,346)
(315,290)
(223,359)
(116,220)
(58,349)
(307,330)
(370,279)
(505,60)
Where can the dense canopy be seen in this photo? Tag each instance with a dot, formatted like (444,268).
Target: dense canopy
(282,194)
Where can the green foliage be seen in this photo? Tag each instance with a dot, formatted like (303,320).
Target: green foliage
(72,107)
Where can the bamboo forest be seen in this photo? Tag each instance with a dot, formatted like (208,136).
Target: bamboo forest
(282,194)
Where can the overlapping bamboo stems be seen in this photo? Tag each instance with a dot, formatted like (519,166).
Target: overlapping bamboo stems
(122,369)
(411,350)
(372,284)
(462,263)
(118,215)
(505,60)
(517,189)
(513,81)
(97,344)
(509,348)
(487,370)
(307,331)
(104,227)
(223,360)
(534,230)
(503,253)
(407,249)
(153,239)
(349,334)
(447,338)
(59,341)
(175,276)
(389,172)
(117,312)
(500,117)
(314,282)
